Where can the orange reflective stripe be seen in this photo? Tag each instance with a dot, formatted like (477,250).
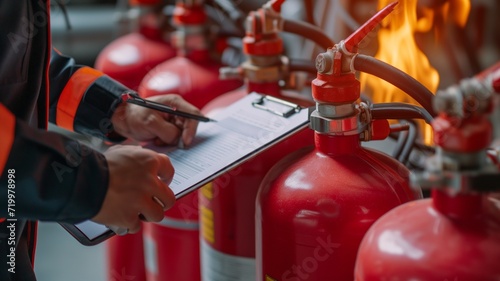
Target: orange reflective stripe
(7,132)
(72,95)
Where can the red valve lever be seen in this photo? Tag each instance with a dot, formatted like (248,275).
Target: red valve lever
(276,5)
(353,40)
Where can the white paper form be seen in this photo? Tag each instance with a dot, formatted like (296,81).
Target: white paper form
(242,131)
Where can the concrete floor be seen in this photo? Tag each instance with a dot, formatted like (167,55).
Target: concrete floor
(59,257)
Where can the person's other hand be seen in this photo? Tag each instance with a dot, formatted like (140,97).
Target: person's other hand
(134,182)
(144,124)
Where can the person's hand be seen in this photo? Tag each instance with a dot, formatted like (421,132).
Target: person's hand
(134,182)
(144,124)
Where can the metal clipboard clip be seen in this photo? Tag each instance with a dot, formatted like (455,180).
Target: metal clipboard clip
(276,106)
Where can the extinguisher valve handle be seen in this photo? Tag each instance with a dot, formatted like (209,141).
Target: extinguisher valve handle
(464,173)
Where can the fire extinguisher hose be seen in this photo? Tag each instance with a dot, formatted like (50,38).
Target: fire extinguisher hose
(396,110)
(308,31)
(236,15)
(230,22)
(397,78)
(403,149)
(406,112)
(302,65)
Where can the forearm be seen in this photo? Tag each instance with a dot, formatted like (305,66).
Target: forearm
(55,178)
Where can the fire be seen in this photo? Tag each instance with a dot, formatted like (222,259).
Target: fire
(397,47)
(459,9)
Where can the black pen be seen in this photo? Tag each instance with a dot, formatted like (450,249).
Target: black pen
(135,99)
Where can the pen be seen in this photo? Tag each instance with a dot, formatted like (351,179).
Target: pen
(135,99)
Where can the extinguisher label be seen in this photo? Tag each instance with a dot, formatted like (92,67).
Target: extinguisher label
(219,266)
(268,278)
(208,191)
(207,224)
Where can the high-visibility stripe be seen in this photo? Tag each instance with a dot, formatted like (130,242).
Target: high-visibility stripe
(72,95)
(7,131)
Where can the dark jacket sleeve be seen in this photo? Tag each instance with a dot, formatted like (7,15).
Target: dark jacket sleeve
(83,99)
(56,178)
(47,176)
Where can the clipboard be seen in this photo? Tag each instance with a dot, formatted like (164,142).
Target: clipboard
(243,129)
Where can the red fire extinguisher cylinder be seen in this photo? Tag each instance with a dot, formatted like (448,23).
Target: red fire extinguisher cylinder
(227,205)
(455,234)
(313,208)
(193,74)
(129,58)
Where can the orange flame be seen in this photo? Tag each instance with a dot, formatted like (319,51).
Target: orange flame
(397,47)
(459,9)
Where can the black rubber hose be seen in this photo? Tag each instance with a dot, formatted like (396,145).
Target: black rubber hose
(62,6)
(396,110)
(397,78)
(401,140)
(229,26)
(233,12)
(408,145)
(420,146)
(308,31)
(302,65)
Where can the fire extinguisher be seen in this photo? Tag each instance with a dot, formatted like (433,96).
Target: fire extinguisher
(129,58)
(455,235)
(172,246)
(193,73)
(227,205)
(313,208)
